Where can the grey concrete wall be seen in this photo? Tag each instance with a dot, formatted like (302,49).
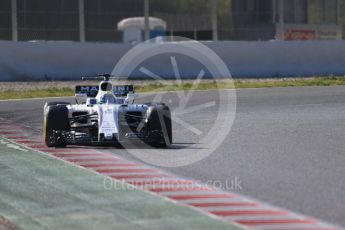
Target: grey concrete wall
(71,60)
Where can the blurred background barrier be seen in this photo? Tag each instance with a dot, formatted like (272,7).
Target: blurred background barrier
(97,20)
(71,60)
(67,39)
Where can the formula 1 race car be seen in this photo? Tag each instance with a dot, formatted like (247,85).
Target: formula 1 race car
(107,115)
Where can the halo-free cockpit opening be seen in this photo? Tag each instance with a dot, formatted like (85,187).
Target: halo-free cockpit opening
(106,86)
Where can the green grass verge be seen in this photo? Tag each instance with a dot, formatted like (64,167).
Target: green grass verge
(52,92)
(207,85)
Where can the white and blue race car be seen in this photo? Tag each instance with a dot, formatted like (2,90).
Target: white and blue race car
(107,115)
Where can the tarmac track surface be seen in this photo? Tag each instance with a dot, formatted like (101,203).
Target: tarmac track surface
(286,145)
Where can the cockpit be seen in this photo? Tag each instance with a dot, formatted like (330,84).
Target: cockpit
(106,86)
(105,94)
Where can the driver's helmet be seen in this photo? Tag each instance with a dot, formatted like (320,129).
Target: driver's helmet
(107,98)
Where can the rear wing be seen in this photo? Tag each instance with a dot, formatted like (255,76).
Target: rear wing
(88,90)
(122,90)
(92,90)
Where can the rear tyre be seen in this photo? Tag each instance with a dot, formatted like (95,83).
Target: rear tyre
(159,126)
(55,122)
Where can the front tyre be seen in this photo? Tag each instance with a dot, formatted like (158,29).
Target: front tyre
(55,122)
(159,125)
(51,103)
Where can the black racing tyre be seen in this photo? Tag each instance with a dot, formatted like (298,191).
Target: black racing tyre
(159,125)
(56,103)
(55,119)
